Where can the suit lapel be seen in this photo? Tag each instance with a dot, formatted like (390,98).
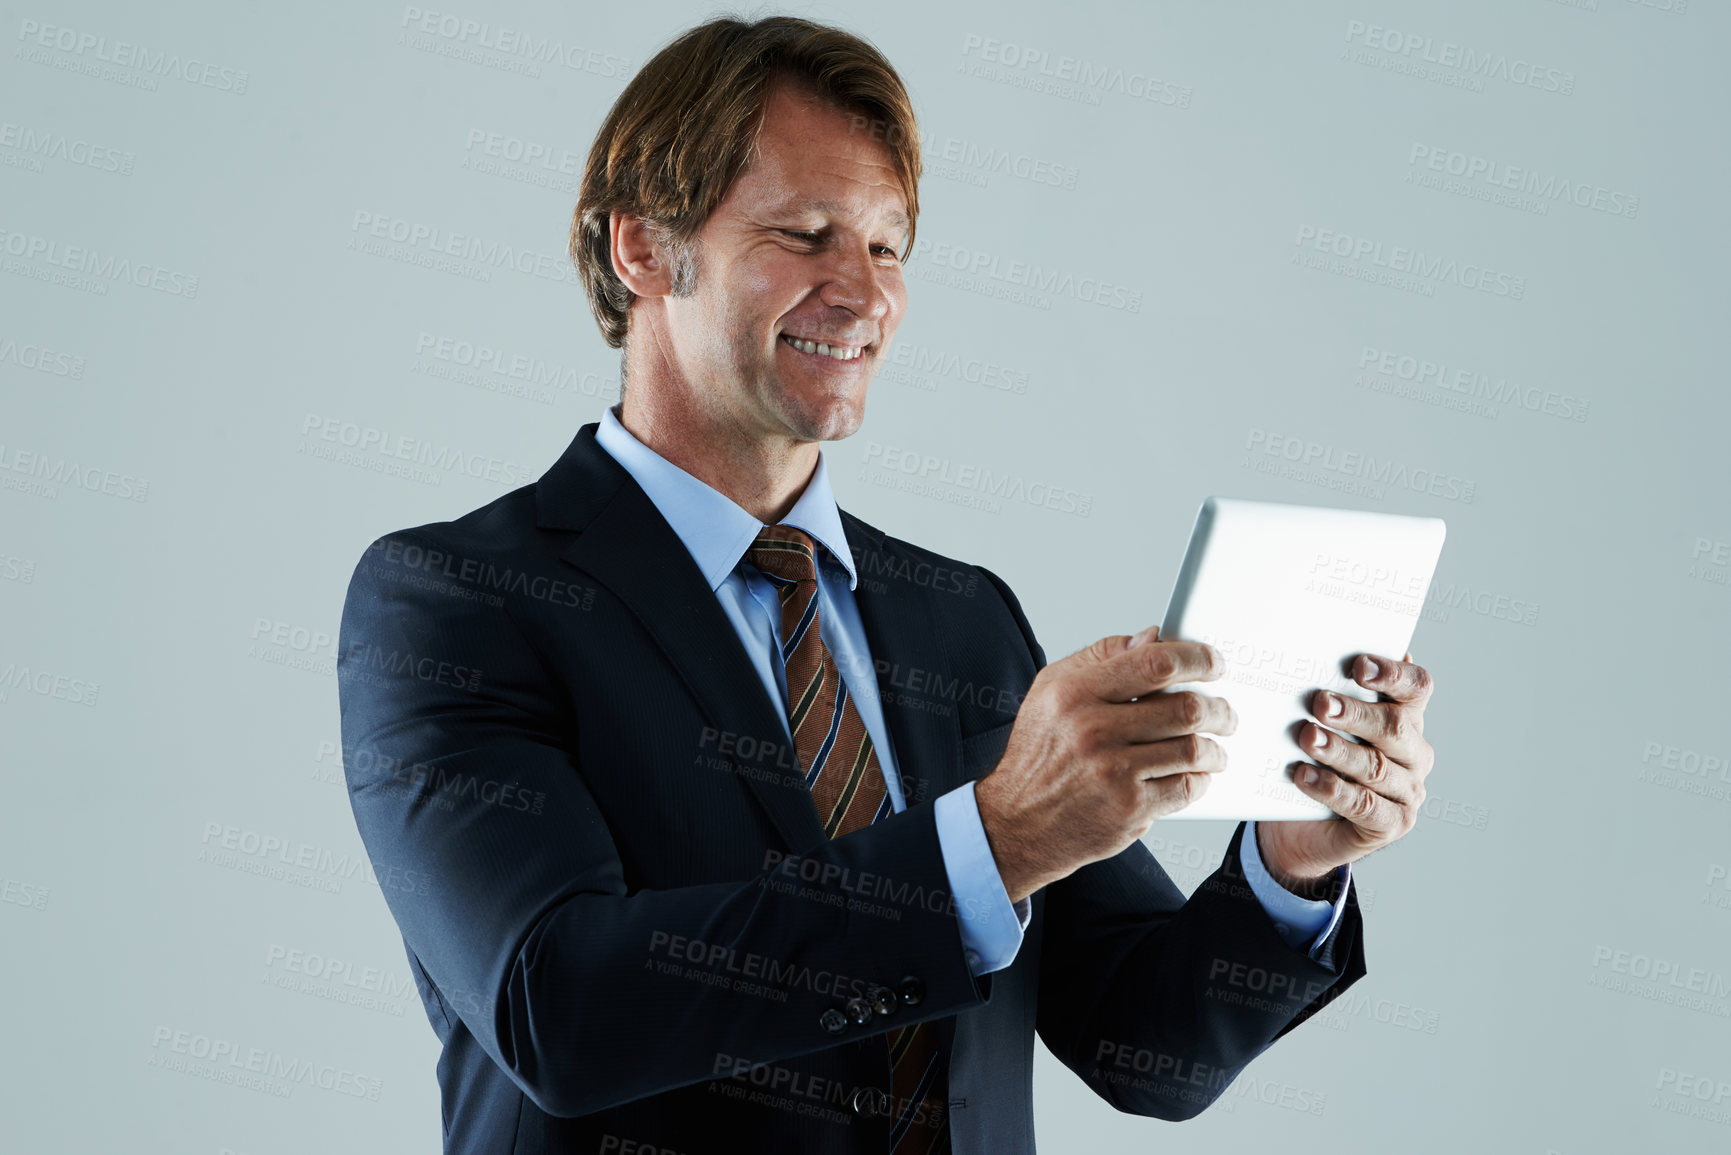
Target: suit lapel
(627,546)
(901,629)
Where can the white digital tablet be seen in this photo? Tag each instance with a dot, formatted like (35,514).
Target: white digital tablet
(1290,595)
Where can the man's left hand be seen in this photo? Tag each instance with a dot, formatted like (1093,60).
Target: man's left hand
(1376,786)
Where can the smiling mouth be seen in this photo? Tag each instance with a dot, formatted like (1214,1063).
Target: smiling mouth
(824,349)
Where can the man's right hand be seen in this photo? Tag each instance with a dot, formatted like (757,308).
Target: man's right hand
(1099,751)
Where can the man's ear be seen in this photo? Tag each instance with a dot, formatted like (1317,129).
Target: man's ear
(637,259)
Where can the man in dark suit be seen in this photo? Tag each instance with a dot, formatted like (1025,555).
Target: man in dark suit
(715,819)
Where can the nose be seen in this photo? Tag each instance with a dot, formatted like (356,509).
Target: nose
(855,282)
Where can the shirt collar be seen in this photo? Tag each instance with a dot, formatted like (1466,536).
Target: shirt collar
(716,529)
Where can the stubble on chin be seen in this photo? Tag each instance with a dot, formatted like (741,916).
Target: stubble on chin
(827,419)
(825,416)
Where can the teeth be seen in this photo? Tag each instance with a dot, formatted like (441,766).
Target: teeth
(839,352)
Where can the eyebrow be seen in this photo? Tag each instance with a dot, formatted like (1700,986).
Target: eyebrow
(897,217)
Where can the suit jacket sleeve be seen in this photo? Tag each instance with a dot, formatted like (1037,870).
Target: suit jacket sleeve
(509,890)
(1158,1002)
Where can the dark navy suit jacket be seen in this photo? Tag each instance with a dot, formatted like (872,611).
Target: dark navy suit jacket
(624,919)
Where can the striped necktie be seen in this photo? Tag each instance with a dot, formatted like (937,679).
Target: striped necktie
(847,787)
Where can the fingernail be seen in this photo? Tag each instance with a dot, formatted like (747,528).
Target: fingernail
(1308,775)
(1321,738)
(1331,706)
(1370,669)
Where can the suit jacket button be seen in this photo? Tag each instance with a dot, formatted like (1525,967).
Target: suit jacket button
(866,1101)
(860,1011)
(833,1021)
(883,999)
(911,990)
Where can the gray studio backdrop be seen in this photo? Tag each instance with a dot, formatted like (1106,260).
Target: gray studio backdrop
(1458,259)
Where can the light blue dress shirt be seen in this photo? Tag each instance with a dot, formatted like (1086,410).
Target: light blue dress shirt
(717,531)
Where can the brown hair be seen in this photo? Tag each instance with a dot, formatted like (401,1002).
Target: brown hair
(686,126)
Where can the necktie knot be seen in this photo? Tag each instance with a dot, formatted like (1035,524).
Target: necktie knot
(784,552)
